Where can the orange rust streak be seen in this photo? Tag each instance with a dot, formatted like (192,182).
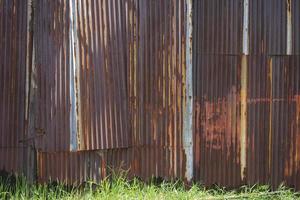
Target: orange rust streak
(297,156)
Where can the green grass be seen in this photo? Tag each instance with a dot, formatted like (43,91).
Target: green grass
(119,188)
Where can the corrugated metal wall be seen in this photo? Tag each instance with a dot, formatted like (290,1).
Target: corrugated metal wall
(108,89)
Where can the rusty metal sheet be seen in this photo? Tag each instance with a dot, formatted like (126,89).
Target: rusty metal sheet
(51,46)
(12,72)
(272,120)
(77,167)
(218,26)
(71,167)
(268,27)
(156,79)
(285,120)
(295,17)
(258,118)
(111,86)
(217,110)
(102,58)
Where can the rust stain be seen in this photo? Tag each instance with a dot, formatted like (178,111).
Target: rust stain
(297,133)
(243,137)
(292,159)
(218,121)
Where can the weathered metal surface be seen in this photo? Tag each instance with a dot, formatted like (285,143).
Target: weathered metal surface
(268,27)
(101,56)
(12,72)
(219,25)
(112,89)
(246,104)
(295,5)
(217,107)
(156,81)
(188,107)
(11,159)
(258,118)
(52,64)
(285,120)
(77,167)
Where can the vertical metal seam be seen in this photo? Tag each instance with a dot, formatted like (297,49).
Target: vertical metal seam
(289,27)
(246,28)
(271,117)
(244,69)
(29,154)
(73,83)
(188,111)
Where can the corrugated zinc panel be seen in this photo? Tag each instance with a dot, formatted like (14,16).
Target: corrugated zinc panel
(51,51)
(218,26)
(102,60)
(295,9)
(217,119)
(258,118)
(156,78)
(77,167)
(284,161)
(11,159)
(157,74)
(268,27)
(13,15)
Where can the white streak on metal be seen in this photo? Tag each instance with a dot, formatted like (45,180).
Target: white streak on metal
(188,111)
(73,75)
(246,28)
(289,28)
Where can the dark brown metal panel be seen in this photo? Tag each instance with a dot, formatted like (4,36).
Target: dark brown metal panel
(268,27)
(13,19)
(258,119)
(217,119)
(70,167)
(156,82)
(285,120)
(51,51)
(11,159)
(78,167)
(101,29)
(219,26)
(143,162)
(295,26)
